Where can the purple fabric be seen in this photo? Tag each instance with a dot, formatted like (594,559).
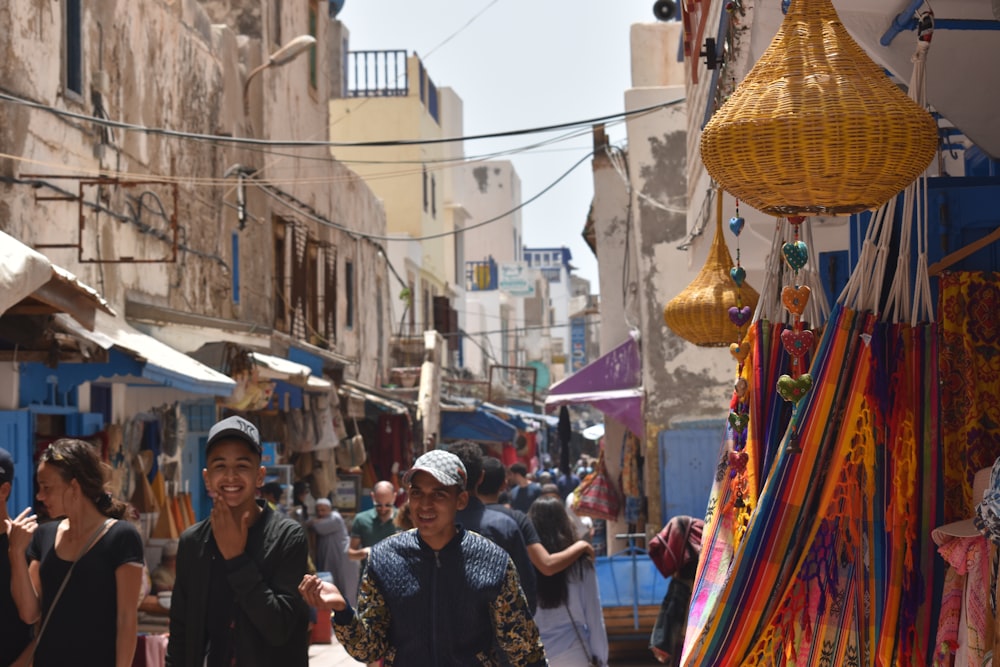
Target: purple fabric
(611,384)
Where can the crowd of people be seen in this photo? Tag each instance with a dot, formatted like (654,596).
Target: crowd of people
(468,563)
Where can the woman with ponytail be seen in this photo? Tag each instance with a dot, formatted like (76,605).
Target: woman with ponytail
(78,575)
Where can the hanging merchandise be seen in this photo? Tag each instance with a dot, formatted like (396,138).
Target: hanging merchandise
(632,477)
(321,411)
(351,452)
(596,495)
(711,310)
(816,127)
(835,566)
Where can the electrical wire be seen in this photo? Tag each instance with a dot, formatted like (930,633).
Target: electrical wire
(307,211)
(220,139)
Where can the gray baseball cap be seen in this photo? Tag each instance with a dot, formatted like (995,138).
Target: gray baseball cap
(444,466)
(235,428)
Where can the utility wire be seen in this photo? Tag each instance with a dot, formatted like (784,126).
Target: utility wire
(307,211)
(7,97)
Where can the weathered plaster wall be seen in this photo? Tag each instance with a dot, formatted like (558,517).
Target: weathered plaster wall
(162,64)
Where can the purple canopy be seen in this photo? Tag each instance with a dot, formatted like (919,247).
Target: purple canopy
(612,384)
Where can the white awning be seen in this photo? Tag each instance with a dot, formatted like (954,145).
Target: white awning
(161,364)
(31,284)
(275,368)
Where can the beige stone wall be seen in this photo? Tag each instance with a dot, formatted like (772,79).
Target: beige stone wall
(181,65)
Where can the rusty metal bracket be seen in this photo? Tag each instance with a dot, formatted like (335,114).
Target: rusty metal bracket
(168,235)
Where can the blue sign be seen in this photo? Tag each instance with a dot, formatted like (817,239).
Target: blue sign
(578,344)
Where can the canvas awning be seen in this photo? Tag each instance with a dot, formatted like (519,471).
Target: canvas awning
(276,368)
(612,384)
(475,424)
(32,285)
(157,363)
(355,390)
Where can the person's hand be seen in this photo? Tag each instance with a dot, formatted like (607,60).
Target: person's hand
(321,594)
(230,534)
(20,529)
(588,549)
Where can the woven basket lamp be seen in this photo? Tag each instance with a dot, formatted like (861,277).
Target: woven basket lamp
(817,127)
(700,313)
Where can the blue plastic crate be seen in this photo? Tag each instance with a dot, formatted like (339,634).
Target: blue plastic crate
(620,588)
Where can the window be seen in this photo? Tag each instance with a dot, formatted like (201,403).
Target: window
(74,46)
(330,295)
(280,277)
(313,52)
(433,197)
(276,22)
(236,267)
(349,293)
(313,295)
(425,305)
(425,189)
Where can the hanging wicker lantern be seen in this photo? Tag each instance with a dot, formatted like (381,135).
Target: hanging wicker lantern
(817,127)
(700,313)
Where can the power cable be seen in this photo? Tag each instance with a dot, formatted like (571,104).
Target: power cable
(293,202)
(7,97)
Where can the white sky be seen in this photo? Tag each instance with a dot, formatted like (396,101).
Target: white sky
(521,64)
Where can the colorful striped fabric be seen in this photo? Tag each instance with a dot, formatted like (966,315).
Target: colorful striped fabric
(835,567)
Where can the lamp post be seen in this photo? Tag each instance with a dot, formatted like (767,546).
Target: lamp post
(282,56)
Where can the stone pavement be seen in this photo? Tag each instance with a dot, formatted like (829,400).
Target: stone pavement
(330,655)
(334,655)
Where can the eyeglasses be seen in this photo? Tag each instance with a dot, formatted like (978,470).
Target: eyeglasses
(383,504)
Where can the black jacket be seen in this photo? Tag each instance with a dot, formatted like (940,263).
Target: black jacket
(457,607)
(272,619)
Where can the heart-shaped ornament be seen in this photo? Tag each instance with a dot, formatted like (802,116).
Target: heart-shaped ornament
(793,389)
(740,351)
(738,274)
(738,460)
(736,224)
(740,316)
(796,219)
(796,254)
(797,343)
(738,421)
(795,298)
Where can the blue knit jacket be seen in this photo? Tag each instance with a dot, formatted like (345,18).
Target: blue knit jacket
(456,607)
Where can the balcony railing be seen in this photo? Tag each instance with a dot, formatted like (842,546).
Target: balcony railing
(481,276)
(377,74)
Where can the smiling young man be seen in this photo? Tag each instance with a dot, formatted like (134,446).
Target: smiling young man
(437,596)
(235,600)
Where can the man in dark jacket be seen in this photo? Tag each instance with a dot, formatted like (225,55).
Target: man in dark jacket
(439,596)
(489,523)
(235,600)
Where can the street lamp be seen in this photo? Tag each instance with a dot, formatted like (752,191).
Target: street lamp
(282,56)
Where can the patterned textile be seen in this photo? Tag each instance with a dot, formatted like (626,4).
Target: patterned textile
(967,587)
(461,605)
(835,565)
(970,382)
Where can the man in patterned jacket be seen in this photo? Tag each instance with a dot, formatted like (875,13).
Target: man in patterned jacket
(437,596)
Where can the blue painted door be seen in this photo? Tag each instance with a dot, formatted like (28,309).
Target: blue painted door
(688,460)
(84,424)
(16,436)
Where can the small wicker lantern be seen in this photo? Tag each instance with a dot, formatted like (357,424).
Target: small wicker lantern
(700,313)
(817,127)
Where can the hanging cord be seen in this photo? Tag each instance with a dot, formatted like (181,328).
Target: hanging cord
(769,305)
(923,308)
(817,308)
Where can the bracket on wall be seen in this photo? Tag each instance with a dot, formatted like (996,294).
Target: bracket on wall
(710,53)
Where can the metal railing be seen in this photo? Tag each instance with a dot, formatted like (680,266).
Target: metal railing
(377,74)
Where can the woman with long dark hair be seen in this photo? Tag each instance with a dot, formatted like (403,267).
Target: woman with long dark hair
(80,574)
(569,615)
